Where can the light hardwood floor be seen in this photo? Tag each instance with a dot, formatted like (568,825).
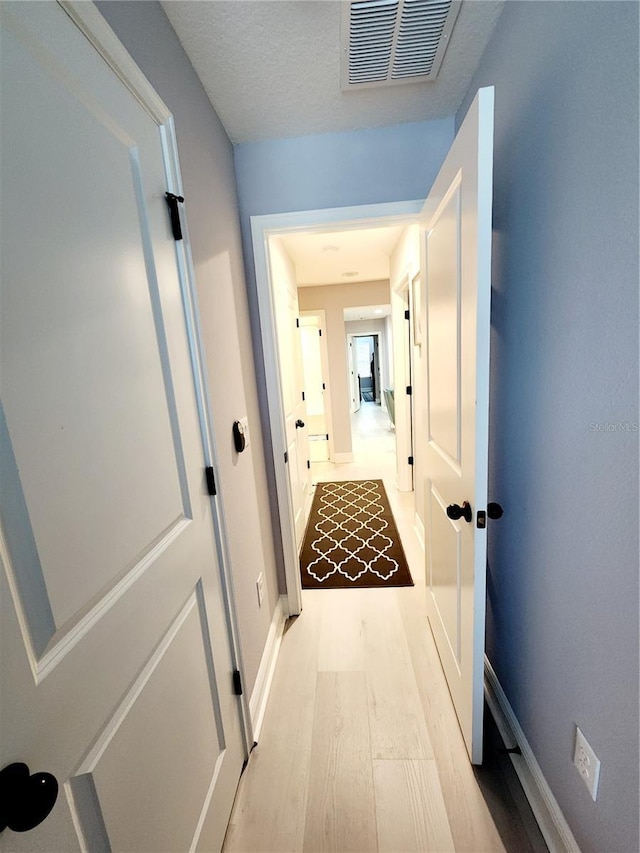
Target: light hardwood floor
(360,748)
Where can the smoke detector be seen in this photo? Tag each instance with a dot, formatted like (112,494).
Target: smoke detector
(388,42)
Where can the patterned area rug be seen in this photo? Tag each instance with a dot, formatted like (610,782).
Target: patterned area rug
(352,539)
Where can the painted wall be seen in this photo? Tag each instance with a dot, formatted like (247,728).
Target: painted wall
(562,631)
(339,169)
(212,213)
(333,299)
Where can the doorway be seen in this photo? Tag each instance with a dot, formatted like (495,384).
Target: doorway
(366,351)
(309,223)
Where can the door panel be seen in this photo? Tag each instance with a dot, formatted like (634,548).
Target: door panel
(445,570)
(444,318)
(178,675)
(456,264)
(117,663)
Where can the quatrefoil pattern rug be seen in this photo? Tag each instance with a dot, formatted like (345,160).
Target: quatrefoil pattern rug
(352,539)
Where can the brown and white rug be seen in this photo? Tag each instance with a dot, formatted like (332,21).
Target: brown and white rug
(352,539)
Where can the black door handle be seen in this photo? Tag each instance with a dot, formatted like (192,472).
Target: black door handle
(455,512)
(299,424)
(494,510)
(25,799)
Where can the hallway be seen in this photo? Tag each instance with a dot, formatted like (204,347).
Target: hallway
(360,748)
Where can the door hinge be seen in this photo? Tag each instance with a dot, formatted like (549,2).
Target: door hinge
(409,390)
(308,464)
(410,460)
(406,314)
(211,481)
(320,332)
(324,387)
(327,436)
(297,322)
(303,395)
(286,457)
(237,682)
(174,213)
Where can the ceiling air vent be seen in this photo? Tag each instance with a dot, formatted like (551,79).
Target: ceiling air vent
(386,42)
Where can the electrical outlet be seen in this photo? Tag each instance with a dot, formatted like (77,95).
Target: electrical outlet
(587,763)
(260,588)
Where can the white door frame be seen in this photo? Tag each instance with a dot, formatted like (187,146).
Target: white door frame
(373,334)
(89,20)
(403,373)
(262,228)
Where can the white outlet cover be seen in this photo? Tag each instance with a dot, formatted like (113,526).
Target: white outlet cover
(587,763)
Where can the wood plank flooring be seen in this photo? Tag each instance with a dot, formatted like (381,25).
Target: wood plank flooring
(360,748)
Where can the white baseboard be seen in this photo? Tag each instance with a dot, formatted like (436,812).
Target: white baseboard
(260,694)
(419,528)
(340,458)
(553,825)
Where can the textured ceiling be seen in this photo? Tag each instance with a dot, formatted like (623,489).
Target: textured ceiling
(342,257)
(271,68)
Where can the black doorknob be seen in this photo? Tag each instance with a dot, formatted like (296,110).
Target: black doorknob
(299,424)
(25,799)
(494,510)
(455,512)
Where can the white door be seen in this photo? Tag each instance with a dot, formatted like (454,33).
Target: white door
(285,297)
(456,264)
(315,390)
(117,672)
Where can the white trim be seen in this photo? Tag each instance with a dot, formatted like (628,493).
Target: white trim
(270,358)
(419,529)
(405,446)
(97,31)
(553,824)
(342,458)
(266,670)
(262,228)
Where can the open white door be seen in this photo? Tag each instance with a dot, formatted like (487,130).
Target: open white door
(456,268)
(117,664)
(285,302)
(314,368)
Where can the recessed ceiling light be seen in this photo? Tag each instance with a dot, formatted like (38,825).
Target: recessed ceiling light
(350,274)
(378,311)
(331,248)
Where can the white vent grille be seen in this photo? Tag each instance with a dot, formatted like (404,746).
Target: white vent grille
(394,41)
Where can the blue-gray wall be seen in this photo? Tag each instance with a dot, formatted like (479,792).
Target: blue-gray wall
(562,631)
(383,164)
(339,169)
